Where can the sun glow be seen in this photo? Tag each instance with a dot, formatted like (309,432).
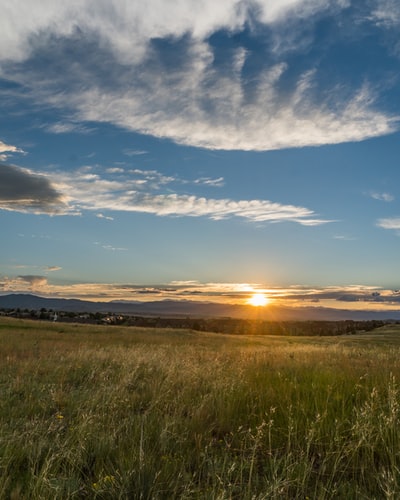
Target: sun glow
(258,300)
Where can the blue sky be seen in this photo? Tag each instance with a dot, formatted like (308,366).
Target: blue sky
(197,149)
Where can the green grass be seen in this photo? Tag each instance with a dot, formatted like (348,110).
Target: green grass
(130,413)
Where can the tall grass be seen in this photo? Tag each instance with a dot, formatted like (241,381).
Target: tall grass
(97,412)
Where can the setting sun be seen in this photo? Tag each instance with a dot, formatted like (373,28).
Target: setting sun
(258,300)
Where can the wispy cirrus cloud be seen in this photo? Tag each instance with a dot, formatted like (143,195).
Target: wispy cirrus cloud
(386,12)
(92,192)
(117,63)
(153,177)
(134,152)
(113,21)
(218,209)
(68,128)
(226,116)
(110,247)
(156,179)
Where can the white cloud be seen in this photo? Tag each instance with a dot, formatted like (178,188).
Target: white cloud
(110,247)
(128,26)
(53,268)
(343,237)
(101,216)
(207,181)
(115,170)
(6,149)
(152,178)
(389,223)
(114,249)
(34,281)
(382,196)
(386,13)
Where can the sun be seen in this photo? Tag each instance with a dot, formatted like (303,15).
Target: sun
(258,300)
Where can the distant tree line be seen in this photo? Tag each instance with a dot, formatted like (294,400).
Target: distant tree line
(258,327)
(217,325)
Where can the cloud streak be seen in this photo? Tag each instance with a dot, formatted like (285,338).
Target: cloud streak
(92,192)
(382,197)
(68,128)
(71,193)
(389,223)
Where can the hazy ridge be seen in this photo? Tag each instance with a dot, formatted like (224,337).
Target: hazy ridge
(192,308)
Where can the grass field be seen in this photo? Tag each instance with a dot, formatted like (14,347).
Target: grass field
(108,413)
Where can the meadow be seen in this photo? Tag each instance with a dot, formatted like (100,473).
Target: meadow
(132,413)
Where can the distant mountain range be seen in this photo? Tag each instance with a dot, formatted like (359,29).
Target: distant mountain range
(184,308)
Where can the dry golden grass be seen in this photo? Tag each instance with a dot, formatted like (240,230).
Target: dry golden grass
(109,412)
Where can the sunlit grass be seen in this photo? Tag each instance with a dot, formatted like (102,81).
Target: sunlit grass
(97,412)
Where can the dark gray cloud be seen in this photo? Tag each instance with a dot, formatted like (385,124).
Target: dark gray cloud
(24,191)
(342,295)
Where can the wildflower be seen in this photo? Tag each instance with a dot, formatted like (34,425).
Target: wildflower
(104,483)
(59,416)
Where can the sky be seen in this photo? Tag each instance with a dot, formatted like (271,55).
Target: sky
(201,150)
